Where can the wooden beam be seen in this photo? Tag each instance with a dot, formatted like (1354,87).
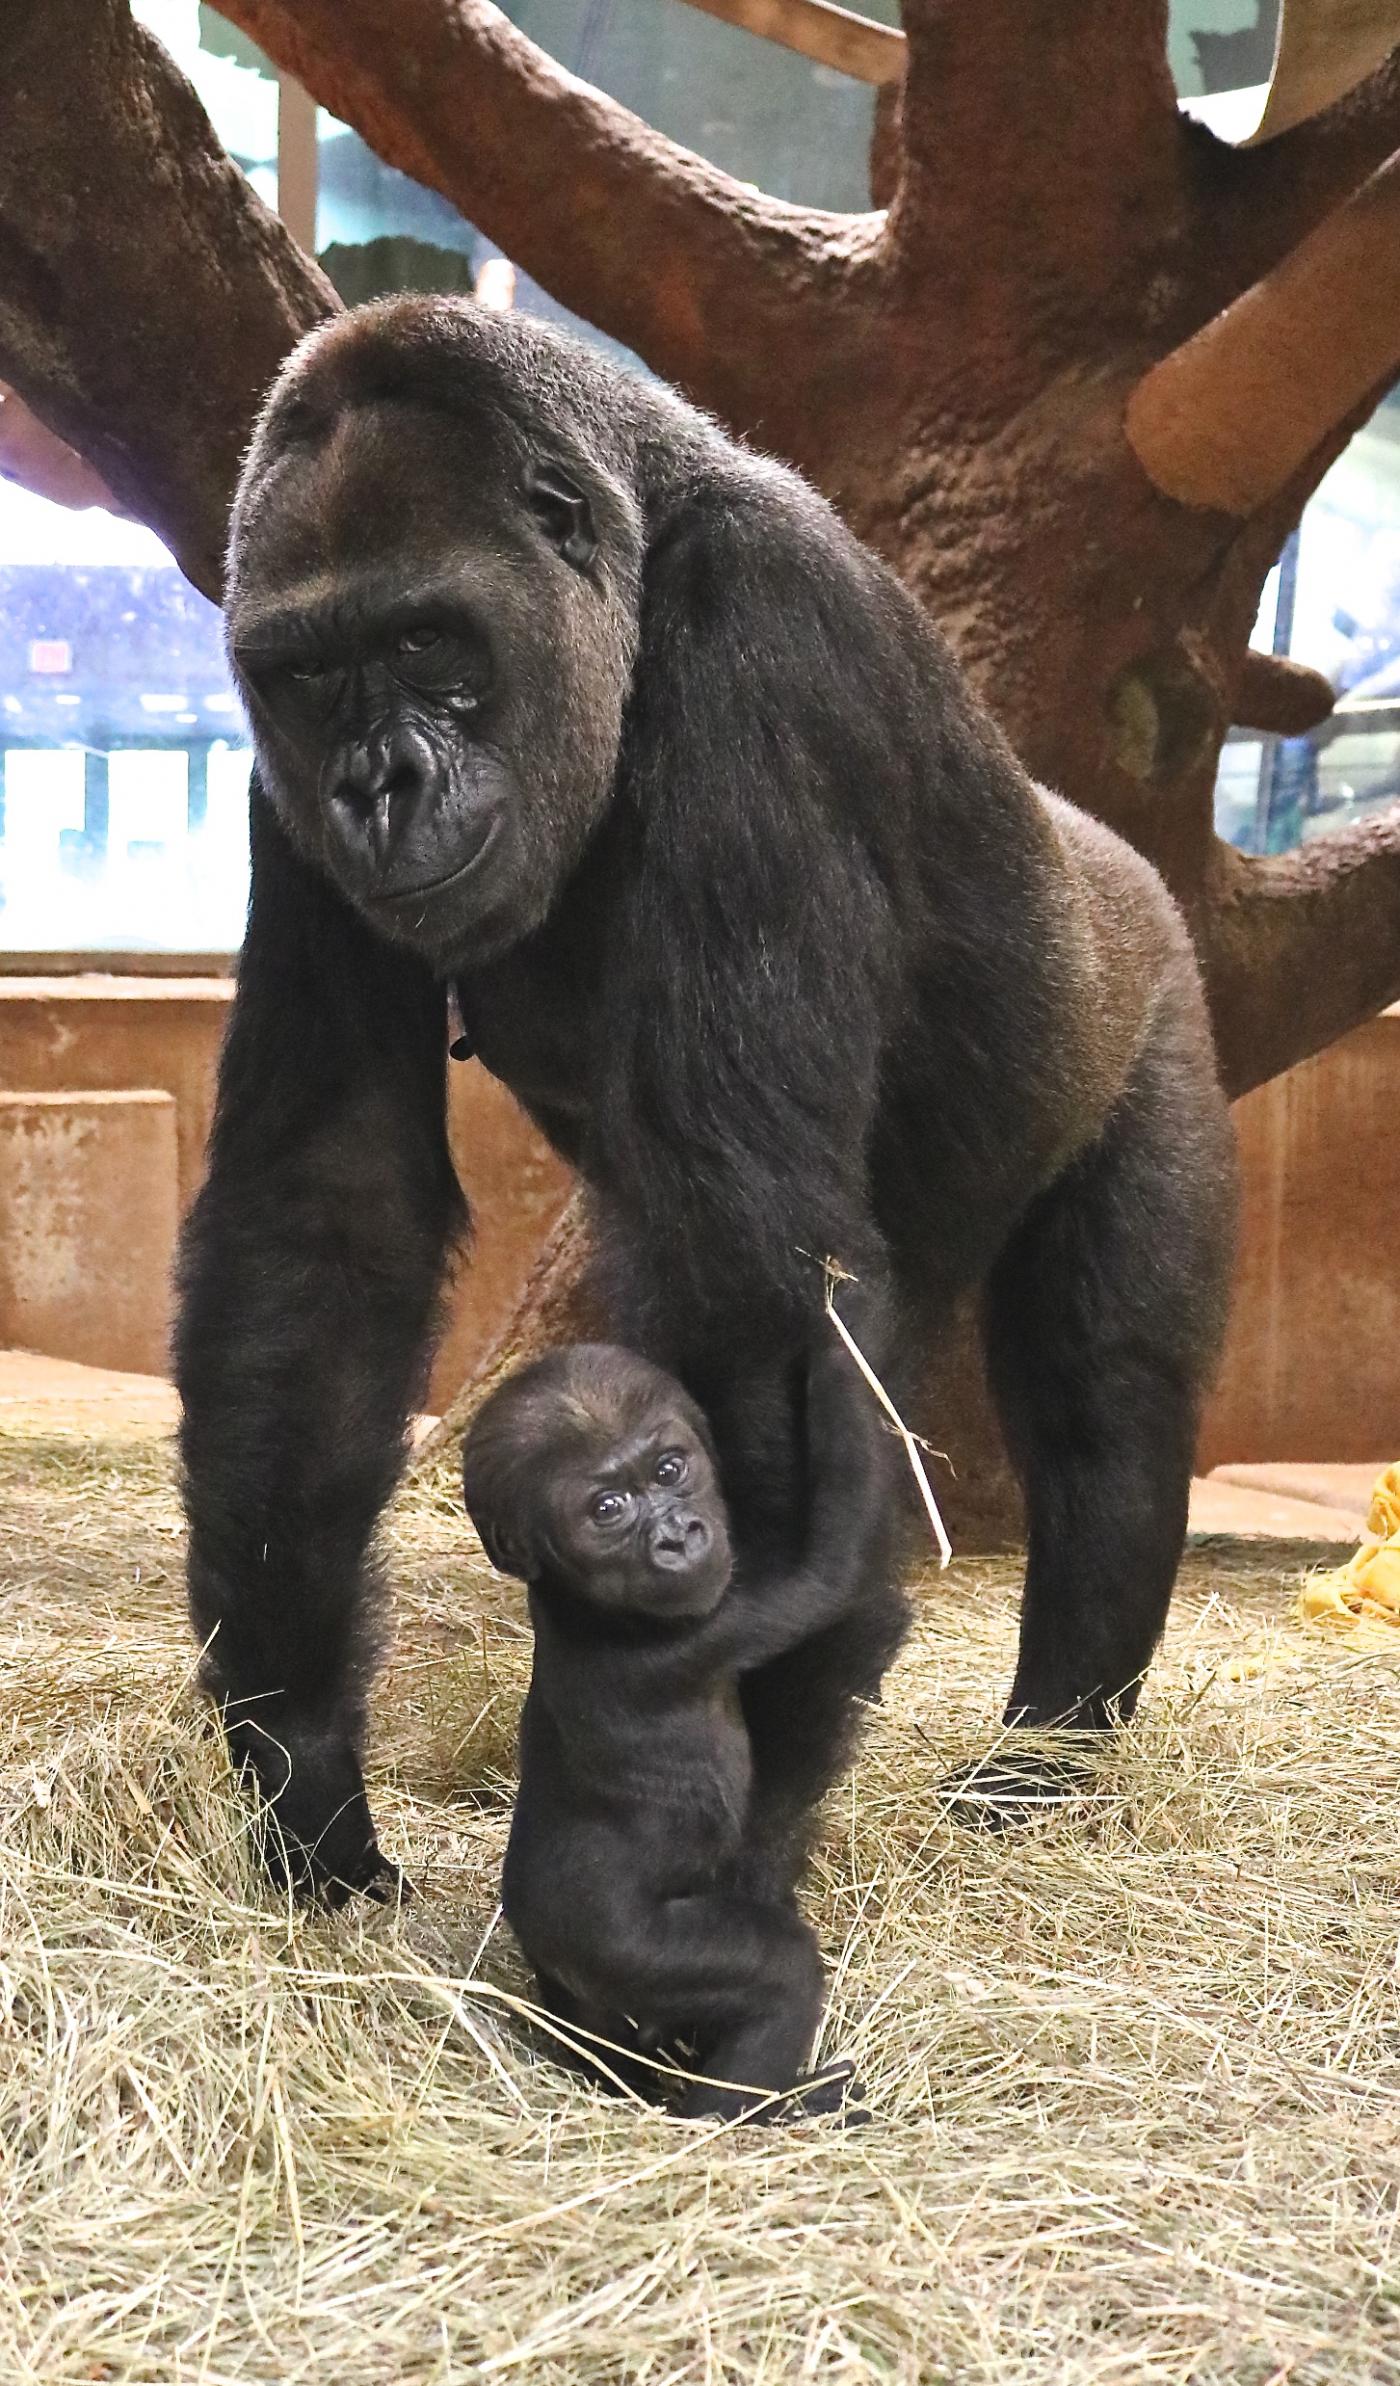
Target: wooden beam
(818,30)
(296,161)
(1228,418)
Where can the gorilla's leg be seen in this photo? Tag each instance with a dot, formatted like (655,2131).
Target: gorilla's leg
(1103,1322)
(744,1982)
(802,1711)
(608,2066)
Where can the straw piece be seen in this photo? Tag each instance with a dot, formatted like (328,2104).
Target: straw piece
(838,1275)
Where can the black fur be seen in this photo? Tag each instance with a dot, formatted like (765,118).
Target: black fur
(747,900)
(625,1877)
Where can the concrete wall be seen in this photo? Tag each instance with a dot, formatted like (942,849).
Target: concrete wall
(89,1196)
(112,1034)
(76,1035)
(1313,1364)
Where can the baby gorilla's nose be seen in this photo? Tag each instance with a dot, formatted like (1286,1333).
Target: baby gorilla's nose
(680,1543)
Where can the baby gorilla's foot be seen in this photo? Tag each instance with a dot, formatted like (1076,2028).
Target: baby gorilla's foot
(390,1885)
(1013,1787)
(832,2092)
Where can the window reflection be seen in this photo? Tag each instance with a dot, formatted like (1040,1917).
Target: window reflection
(1221,45)
(123,765)
(1334,602)
(123,768)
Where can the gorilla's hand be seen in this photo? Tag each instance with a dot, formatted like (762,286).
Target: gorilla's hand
(315,1833)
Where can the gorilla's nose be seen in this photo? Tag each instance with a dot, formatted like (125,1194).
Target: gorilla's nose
(681,1543)
(381,781)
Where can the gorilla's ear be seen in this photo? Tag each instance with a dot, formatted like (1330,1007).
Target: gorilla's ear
(563,512)
(505,1554)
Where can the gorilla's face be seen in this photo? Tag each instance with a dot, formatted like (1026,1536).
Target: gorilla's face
(430,616)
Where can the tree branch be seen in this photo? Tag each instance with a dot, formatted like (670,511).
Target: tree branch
(1279,696)
(1264,201)
(1039,128)
(146,294)
(1230,417)
(698,272)
(1301,947)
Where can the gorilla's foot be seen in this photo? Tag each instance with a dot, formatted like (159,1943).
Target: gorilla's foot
(834,2092)
(390,1885)
(1012,1787)
(311,1820)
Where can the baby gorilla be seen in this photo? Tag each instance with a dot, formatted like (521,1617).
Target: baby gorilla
(591,1475)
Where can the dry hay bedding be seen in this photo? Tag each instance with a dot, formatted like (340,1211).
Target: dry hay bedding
(1136,2074)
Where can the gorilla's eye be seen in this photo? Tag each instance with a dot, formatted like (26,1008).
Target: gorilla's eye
(311,686)
(437,662)
(608,1507)
(670,1467)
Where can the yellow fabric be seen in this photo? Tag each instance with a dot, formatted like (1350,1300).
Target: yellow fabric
(1369,1583)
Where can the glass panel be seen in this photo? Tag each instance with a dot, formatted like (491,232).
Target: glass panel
(800,131)
(123,766)
(1335,605)
(232,77)
(378,231)
(1221,45)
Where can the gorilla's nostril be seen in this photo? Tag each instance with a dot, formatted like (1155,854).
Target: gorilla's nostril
(381,787)
(387,771)
(683,1542)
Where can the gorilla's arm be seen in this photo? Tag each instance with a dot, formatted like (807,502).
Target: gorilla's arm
(310,1268)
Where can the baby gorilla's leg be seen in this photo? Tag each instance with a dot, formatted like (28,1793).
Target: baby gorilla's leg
(744,1981)
(599,2043)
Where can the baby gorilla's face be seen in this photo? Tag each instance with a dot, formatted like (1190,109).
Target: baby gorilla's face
(641,1527)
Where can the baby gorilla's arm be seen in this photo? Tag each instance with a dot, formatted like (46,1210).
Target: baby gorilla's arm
(847,1534)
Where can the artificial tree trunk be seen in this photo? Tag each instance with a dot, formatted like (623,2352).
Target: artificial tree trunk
(1074,379)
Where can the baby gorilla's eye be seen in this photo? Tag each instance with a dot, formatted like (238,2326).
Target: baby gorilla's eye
(418,641)
(608,1507)
(670,1467)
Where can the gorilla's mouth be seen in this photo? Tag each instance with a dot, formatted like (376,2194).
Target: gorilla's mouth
(402,898)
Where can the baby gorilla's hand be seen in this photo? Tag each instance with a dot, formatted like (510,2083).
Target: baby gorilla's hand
(314,1830)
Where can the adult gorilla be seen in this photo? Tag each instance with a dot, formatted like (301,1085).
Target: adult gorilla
(562,698)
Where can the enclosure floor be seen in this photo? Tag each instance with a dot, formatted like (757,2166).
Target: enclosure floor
(1134,2073)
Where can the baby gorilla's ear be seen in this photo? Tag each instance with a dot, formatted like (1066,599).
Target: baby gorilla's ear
(507,1554)
(494,1498)
(492,1501)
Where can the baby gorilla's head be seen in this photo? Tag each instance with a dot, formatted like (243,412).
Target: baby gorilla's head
(593,1471)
